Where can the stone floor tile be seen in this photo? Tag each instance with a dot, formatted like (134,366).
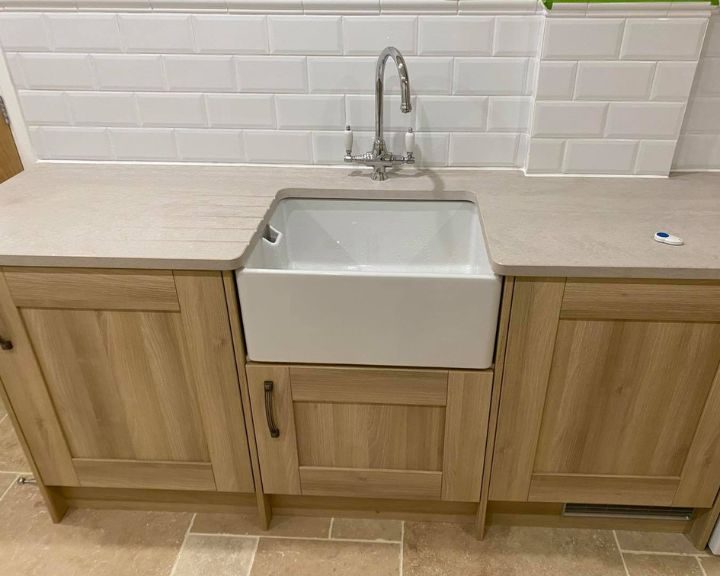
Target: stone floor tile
(3,411)
(366,529)
(655,542)
(279,557)
(437,549)
(247,525)
(711,564)
(12,458)
(5,480)
(87,542)
(215,555)
(661,565)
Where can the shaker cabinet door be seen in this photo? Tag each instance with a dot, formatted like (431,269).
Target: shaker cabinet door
(124,378)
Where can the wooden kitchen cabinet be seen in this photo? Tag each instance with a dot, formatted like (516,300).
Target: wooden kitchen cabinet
(610,393)
(367,432)
(124,379)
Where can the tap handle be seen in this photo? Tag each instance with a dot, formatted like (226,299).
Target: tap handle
(410,142)
(348,140)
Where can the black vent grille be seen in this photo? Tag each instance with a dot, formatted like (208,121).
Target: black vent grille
(619,511)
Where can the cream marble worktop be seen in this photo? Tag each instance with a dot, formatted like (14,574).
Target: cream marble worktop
(204,217)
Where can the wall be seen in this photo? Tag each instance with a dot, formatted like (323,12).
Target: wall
(496,84)
(699,145)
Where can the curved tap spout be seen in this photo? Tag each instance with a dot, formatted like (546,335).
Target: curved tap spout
(405,105)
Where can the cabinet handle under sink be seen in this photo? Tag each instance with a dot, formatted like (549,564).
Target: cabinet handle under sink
(6,344)
(274,430)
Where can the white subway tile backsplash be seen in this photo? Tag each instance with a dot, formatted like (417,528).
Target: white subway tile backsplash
(44,107)
(556,80)
(103,108)
(418,6)
(15,68)
(266,6)
(673,81)
(655,157)
(310,111)
(663,39)
(370,34)
(517,35)
(545,155)
(57,71)
(128,72)
(230,34)
(172,109)
(210,145)
(708,77)
(431,149)
(600,156)
(450,113)
(644,119)
(271,73)
(23,32)
(614,80)
(495,6)
(200,73)
(470,35)
(698,152)
(508,114)
(329,147)
(712,39)
(507,76)
(84,32)
(145,144)
(361,113)
(582,38)
(703,115)
(569,119)
(241,110)
(427,76)
(278,147)
(305,35)
(342,74)
(346,7)
(483,149)
(71,143)
(156,33)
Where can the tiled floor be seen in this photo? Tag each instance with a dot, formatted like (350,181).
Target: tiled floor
(121,543)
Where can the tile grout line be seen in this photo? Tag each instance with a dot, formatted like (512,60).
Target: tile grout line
(656,553)
(8,488)
(252,559)
(622,557)
(330,529)
(182,546)
(702,568)
(402,547)
(311,538)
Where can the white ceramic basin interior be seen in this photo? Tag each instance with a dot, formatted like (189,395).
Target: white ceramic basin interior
(380,282)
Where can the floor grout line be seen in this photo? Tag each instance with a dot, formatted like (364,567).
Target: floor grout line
(3,418)
(252,559)
(622,556)
(312,538)
(656,553)
(182,546)
(702,568)
(9,486)
(402,546)
(332,521)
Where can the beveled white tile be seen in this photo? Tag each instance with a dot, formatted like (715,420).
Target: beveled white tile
(708,77)
(345,7)
(271,73)
(320,112)
(361,113)
(427,76)
(137,72)
(673,81)
(645,119)
(418,6)
(189,5)
(230,34)
(57,71)
(453,35)
(450,113)
(210,145)
(497,6)
(509,114)
(502,76)
(278,147)
(23,32)
(517,35)
(703,115)
(172,109)
(156,32)
(582,38)
(370,34)
(655,157)
(556,80)
(265,6)
(15,68)
(342,74)
(44,107)
(200,73)
(71,143)
(557,119)
(600,156)
(663,39)
(241,110)
(545,155)
(483,149)
(84,32)
(698,152)
(305,34)
(148,144)
(614,80)
(431,148)
(103,108)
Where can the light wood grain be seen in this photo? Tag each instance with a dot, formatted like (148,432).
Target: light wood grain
(703,525)
(700,476)
(212,357)
(597,489)
(531,339)
(32,405)
(369,385)
(278,456)
(406,484)
(466,419)
(370,436)
(231,297)
(92,289)
(10,163)
(121,383)
(625,398)
(500,348)
(642,300)
(139,474)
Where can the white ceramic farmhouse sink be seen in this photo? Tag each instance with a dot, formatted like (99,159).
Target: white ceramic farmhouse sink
(382,282)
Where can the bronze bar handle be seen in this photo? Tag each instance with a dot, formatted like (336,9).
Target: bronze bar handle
(274,430)
(6,344)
